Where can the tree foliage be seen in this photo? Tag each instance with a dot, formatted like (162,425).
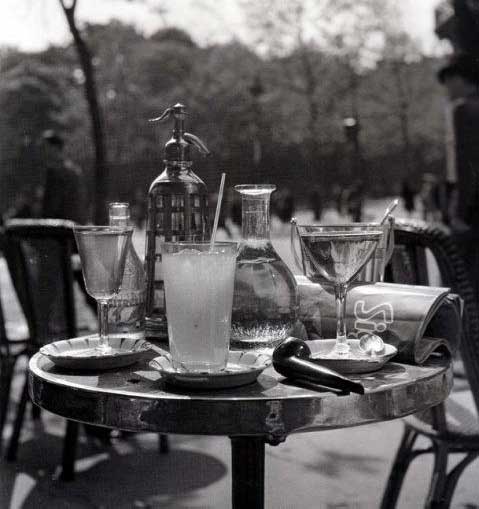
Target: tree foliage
(288,100)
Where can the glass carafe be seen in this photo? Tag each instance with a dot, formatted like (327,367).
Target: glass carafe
(126,310)
(265,302)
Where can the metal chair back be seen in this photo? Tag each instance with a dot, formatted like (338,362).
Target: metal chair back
(409,266)
(38,254)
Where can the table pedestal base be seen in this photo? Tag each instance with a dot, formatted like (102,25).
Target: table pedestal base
(247,468)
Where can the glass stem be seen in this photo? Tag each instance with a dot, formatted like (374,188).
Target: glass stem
(103,317)
(342,345)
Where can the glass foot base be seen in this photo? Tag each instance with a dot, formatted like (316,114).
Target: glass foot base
(356,361)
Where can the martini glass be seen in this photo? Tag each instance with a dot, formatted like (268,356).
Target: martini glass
(334,255)
(102,252)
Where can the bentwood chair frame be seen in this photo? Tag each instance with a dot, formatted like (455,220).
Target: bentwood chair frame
(450,428)
(10,351)
(31,272)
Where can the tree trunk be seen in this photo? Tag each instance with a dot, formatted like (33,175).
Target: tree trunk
(90,89)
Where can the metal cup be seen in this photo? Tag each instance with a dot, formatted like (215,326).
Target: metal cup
(374,270)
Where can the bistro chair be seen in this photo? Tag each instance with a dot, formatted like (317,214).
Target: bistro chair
(38,255)
(39,258)
(452,427)
(10,351)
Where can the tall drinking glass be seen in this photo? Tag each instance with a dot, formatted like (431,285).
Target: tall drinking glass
(102,252)
(199,282)
(334,255)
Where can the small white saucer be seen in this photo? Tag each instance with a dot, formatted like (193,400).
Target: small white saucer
(243,367)
(355,362)
(80,353)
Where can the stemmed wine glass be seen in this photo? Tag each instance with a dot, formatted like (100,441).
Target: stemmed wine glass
(335,254)
(102,252)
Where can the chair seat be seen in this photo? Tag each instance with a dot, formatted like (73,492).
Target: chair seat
(461,418)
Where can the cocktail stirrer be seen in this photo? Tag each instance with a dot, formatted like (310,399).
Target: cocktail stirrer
(389,210)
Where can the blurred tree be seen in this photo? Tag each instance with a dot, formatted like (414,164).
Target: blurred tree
(167,60)
(117,49)
(173,35)
(306,76)
(321,47)
(283,35)
(31,100)
(403,111)
(91,95)
(218,92)
(137,77)
(399,50)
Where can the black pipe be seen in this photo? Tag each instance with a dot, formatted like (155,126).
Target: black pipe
(291,359)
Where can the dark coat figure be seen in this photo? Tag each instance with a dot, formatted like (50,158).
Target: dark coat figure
(138,209)
(20,209)
(65,193)
(236,210)
(355,202)
(429,196)
(466,123)
(461,79)
(407,195)
(283,205)
(316,203)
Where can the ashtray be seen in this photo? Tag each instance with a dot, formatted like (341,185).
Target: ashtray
(355,362)
(80,353)
(243,367)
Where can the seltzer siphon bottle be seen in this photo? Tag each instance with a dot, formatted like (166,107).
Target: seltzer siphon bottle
(126,310)
(177,211)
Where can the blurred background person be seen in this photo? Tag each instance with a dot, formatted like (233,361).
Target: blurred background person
(138,209)
(429,196)
(316,204)
(233,213)
(21,208)
(283,205)
(408,197)
(355,199)
(65,190)
(224,230)
(460,77)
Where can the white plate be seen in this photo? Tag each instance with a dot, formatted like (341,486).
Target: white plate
(320,349)
(243,367)
(80,353)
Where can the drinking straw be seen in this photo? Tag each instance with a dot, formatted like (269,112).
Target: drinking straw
(217,213)
(390,208)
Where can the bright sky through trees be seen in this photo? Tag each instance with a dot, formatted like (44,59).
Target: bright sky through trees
(33,24)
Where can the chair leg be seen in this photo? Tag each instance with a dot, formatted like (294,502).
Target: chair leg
(7,365)
(453,477)
(435,497)
(163,443)
(398,471)
(36,412)
(17,427)
(69,451)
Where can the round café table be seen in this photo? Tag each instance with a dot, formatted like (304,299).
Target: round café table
(135,398)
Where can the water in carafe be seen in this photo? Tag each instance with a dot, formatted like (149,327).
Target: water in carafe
(265,302)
